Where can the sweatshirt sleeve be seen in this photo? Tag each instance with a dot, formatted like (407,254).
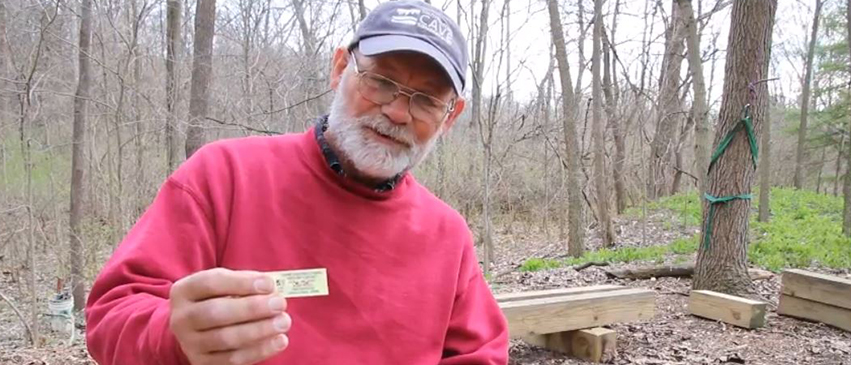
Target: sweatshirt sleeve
(127,311)
(478,331)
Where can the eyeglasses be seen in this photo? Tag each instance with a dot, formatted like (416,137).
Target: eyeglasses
(382,90)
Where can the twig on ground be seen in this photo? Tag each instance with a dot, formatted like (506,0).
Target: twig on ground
(589,264)
(21,317)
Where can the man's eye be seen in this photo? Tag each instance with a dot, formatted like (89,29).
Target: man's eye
(382,83)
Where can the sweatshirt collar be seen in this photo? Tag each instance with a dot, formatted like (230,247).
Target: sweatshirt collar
(333,160)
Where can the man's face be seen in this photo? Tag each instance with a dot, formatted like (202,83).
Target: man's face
(384,138)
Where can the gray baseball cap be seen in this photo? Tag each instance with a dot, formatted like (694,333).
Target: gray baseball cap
(411,25)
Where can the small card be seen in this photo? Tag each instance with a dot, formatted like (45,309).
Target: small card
(301,283)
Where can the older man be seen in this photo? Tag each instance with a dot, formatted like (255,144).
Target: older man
(190,285)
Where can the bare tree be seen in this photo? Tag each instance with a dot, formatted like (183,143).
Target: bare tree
(668,105)
(618,126)
(569,111)
(607,232)
(800,155)
(478,69)
(846,189)
(722,256)
(699,108)
(78,155)
(173,46)
(202,70)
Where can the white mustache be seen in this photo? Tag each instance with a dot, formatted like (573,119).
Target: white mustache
(384,126)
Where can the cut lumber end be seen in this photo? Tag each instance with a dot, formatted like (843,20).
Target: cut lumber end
(727,308)
(593,344)
(816,287)
(814,311)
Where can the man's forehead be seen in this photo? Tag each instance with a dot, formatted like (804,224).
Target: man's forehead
(403,62)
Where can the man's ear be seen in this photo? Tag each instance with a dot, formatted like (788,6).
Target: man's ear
(460,103)
(338,65)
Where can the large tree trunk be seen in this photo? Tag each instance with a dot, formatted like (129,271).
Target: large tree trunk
(78,156)
(846,188)
(699,108)
(765,168)
(668,107)
(607,232)
(800,154)
(173,47)
(722,264)
(202,70)
(574,191)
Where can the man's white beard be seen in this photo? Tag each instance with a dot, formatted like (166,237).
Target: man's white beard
(371,157)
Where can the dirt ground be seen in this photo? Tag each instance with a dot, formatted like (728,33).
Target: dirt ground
(671,337)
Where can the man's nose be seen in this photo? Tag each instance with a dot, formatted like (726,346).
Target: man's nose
(398,110)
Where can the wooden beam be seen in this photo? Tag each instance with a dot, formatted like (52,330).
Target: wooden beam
(592,344)
(815,311)
(730,309)
(588,344)
(574,312)
(817,287)
(508,297)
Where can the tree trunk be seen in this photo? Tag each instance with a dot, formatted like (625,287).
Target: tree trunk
(800,154)
(4,72)
(765,168)
(668,106)
(202,70)
(838,169)
(699,108)
(478,74)
(575,244)
(138,21)
(821,169)
(173,47)
(78,156)
(309,45)
(846,188)
(722,264)
(607,232)
(618,126)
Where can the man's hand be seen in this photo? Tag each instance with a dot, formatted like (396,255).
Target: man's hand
(228,317)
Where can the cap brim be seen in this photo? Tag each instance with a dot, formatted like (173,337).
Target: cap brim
(393,43)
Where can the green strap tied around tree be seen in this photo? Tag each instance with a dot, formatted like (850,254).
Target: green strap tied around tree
(713,201)
(746,121)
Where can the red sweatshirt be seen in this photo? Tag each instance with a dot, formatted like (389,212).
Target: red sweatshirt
(403,280)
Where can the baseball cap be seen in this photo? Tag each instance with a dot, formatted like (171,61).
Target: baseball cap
(411,25)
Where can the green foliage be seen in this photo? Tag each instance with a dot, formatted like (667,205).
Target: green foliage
(625,254)
(46,165)
(537,264)
(685,205)
(805,230)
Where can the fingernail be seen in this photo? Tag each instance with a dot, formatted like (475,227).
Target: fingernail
(282,323)
(280,342)
(276,303)
(263,285)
